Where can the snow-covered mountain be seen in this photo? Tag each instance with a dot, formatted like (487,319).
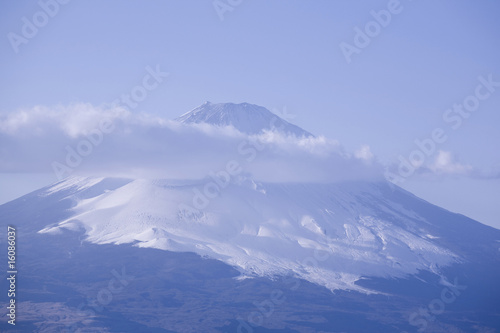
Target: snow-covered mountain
(380,249)
(247,118)
(348,230)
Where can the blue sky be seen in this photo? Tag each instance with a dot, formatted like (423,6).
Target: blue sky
(284,55)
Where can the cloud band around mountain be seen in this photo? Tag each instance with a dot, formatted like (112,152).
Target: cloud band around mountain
(85,139)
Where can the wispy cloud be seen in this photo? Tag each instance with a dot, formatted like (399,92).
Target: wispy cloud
(113,141)
(446,164)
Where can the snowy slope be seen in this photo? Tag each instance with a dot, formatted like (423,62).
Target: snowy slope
(327,234)
(247,118)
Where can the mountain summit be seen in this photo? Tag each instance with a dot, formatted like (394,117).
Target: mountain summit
(246,118)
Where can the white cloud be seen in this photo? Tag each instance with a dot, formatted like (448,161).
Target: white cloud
(113,141)
(74,120)
(445,163)
(364,153)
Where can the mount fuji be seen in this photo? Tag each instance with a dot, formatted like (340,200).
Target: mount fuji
(232,253)
(247,118)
